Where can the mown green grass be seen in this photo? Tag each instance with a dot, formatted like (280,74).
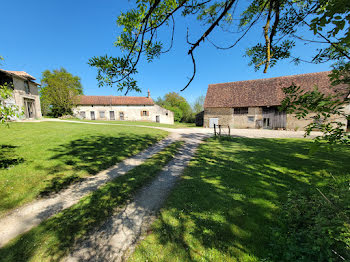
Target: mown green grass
(141,123)
(52,239)
(234,204)
(41,158)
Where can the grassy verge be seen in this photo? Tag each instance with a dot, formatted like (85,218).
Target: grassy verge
(41,158)
(246,199)
(141,123)
(51,240)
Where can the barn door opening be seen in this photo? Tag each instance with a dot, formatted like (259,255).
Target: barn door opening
(29,108)
(273,118)
(92,114)
(157,119)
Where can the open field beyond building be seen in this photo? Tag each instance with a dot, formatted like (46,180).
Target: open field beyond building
(245,199)
(37,159)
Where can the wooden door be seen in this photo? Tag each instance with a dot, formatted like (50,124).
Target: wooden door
(157,119)
(111,115)
(92,113)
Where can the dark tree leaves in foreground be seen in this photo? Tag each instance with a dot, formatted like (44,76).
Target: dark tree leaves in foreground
(59,92)
(283,23)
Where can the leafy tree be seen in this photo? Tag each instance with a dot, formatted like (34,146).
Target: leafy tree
(178,104)
(198,105)
(283,24)
(59,92)
(8,111)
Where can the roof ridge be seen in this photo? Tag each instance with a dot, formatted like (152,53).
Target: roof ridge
(270,78)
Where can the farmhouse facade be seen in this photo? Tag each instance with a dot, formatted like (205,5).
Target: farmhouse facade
(25,93)
(130,108)
(254,103)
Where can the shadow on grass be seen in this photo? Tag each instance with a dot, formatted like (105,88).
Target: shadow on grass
(8,156)
(230,197)
(91,155)
(55,237)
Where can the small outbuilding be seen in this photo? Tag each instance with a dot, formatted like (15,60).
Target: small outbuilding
(25,93)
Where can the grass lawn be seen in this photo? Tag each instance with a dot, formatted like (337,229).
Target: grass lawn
(141,123)
(40,158)
(245,199)
(53,239)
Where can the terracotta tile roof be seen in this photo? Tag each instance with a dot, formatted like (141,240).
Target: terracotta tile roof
(115,100)
(20,74)
(262,92)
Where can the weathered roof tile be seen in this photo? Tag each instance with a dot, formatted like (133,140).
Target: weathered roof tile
(115,100)
(263,92)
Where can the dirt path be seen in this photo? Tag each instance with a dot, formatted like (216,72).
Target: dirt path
(32,214)
(116,238)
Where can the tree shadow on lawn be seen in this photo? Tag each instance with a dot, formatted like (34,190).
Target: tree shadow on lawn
(229,198)
(8,157)
(91,155)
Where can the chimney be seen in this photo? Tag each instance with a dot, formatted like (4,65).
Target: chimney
(148,94)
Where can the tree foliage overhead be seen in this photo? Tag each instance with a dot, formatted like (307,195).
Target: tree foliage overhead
(282,23)
(321,24)
(59,91)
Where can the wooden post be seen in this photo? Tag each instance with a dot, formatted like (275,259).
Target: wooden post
(214,130)
(219,130)
(229,131)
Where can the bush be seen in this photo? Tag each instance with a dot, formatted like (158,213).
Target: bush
(314,225)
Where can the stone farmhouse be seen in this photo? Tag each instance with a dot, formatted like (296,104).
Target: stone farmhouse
(254,103)
(129,108)
(25,92)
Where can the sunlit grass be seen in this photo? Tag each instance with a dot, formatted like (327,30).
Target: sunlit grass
(41,158)
(140,123)
(52,240)
(230,198)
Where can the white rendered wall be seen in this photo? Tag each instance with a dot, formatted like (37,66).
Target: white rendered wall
(131,113)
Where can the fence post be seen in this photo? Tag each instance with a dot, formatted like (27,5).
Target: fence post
(219,130)
(229,131)
(214,130)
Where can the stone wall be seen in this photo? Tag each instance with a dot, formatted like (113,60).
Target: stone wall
(19,95)
(225,116)
(130,113)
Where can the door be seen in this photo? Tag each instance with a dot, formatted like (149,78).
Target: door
(29,108)
(266,123)
(121,115)
(111,115)
(92,113)
(157,119)
(213,121)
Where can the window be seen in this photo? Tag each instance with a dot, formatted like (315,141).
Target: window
(102,114)
(121,115)
(240,110)
(82,114)
(144,113)
(26,87)
(166,113)
(251,119)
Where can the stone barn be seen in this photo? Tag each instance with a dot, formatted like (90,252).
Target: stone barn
(254,103)
(130,108)
(25,93)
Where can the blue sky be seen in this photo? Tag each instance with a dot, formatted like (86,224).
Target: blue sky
(39,35)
